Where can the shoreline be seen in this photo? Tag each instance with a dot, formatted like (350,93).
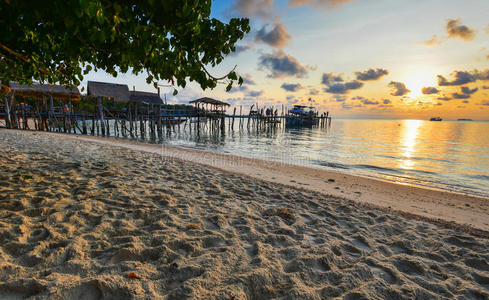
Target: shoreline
(462,210)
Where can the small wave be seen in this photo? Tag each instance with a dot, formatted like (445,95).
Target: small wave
(332,165)
(478,176)
(424,172)
(377,168)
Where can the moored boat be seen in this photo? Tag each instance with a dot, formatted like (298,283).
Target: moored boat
(302,115)
(437,119)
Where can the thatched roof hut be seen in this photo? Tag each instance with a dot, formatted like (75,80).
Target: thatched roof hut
(206,100)
(145,97)
(39,90)
(118,92)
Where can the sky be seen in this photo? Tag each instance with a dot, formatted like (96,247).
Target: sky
(403,59)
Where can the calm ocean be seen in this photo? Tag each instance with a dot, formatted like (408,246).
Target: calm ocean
(450,155)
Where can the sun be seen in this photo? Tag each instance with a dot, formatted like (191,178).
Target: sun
(416,81)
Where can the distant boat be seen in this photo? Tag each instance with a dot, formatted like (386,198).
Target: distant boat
(437,119)
(464,120)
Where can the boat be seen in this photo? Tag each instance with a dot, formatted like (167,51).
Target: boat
(437,119)
(302,115)
(464,120)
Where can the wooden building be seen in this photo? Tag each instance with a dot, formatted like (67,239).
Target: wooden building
(39,91)
(115,91)
(210,106)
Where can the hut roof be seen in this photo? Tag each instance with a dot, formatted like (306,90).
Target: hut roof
(119,92)
(38,90)
(146,97)
(207,100)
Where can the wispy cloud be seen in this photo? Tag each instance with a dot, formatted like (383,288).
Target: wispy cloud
(454,30)
(326,3)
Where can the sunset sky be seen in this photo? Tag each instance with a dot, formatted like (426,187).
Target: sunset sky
(357,59)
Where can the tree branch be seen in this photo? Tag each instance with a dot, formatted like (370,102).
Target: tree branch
(216,78)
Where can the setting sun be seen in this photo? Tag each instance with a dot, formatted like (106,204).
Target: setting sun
(416,81)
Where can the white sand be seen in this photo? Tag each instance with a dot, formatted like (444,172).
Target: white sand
(77,217)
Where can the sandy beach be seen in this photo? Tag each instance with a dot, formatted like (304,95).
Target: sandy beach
(92,218)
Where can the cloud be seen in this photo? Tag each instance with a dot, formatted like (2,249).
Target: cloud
(313,92)
(386,101)
(343,88)
(276,37)
(444,98)
(339,98)
(485,87)
(292,100)
(240,49)
(460,96)
(468,91)
(430,90)
(236,89)
(370,102)
(463,77)
(327,3)
(455,30)
(371,74)
(254,93)
(255,8)
(247,79)
(399,88)
(336,84)
(345,105)
(281,65)
(434,41)
(465,101)
(365,101)
(485,103)
(291,87)
(329,78)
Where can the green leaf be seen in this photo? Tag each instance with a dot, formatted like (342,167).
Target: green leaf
(175,92)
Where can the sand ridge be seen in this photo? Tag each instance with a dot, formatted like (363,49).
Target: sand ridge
(77,218)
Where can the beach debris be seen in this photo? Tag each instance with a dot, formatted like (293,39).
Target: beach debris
(133,275)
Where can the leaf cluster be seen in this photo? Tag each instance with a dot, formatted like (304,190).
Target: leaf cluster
(60,41)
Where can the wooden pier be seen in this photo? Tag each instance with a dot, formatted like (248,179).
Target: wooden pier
(113,110)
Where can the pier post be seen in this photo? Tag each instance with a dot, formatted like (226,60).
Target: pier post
(101,115)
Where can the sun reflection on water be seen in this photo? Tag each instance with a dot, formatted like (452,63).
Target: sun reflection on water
(409,134)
